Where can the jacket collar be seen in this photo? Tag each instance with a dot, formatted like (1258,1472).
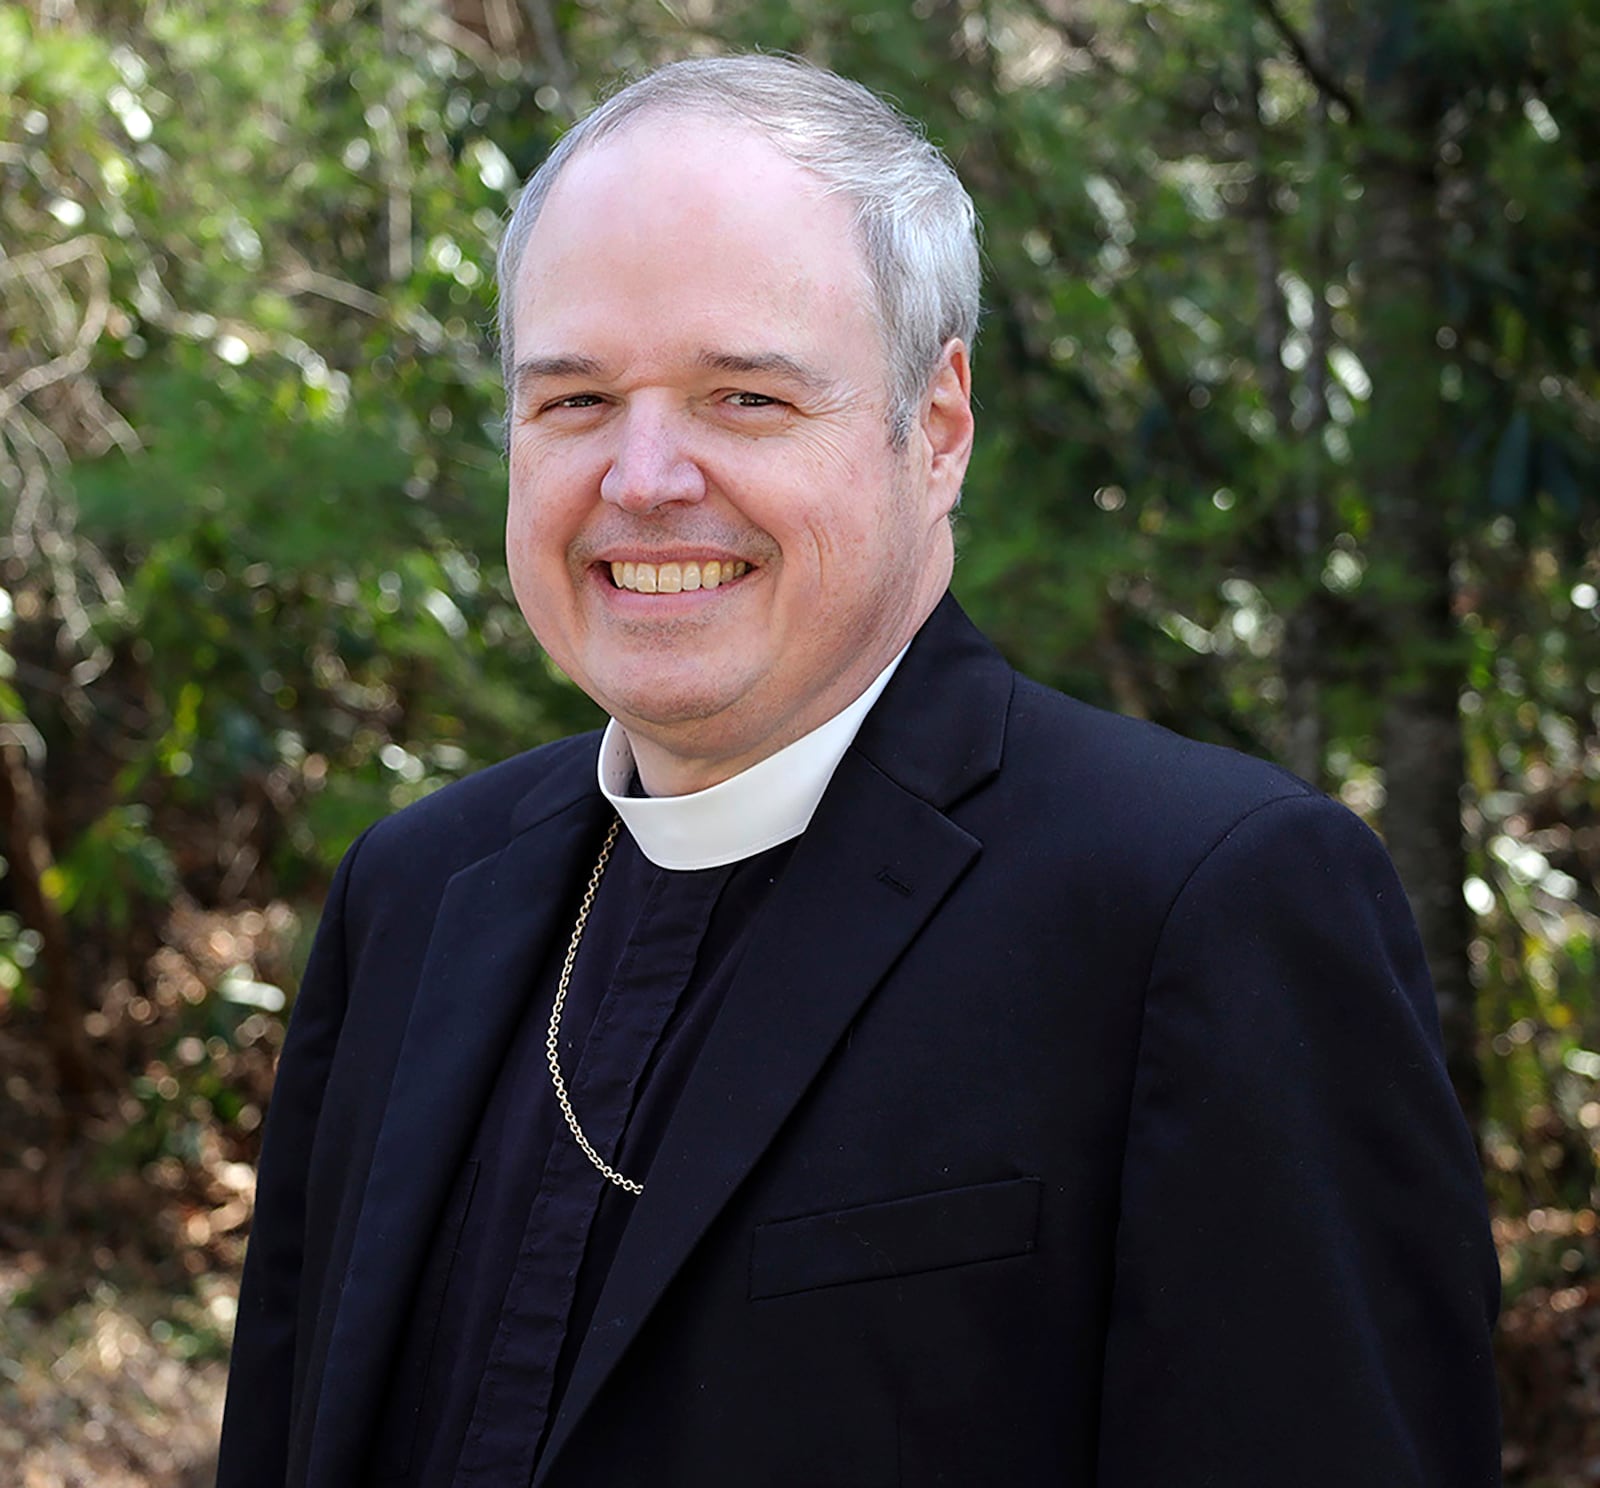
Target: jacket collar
(939,729)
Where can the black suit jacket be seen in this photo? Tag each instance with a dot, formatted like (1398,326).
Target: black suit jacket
(1077,1117)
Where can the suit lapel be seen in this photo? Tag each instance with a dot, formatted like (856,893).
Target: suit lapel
(494,927)
(874,865)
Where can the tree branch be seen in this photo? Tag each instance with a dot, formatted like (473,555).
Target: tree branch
(302,279)
(1272,315)
(1328,85)
(459,39)
(547,37)
(1170,388)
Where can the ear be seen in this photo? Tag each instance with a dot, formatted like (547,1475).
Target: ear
(947,425)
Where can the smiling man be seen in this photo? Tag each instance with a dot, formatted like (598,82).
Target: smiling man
(701,392)
(859,1065)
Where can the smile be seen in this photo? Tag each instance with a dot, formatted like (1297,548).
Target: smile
(676,578)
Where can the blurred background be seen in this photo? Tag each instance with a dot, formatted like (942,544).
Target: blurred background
(1289,398)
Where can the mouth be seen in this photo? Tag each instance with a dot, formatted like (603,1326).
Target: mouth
(676,578)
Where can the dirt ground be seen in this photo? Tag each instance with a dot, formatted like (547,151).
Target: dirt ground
(113,1392)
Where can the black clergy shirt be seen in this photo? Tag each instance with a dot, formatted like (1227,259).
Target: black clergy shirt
(531,1227)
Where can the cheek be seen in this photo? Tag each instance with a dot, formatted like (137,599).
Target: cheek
(522,531)
(851,529)
(543,513)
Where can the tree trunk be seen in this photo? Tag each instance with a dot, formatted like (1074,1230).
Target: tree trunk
(1406,465)
(1307,637)
(1297,497)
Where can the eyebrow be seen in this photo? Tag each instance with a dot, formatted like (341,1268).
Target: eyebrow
(530,368)
(771,362)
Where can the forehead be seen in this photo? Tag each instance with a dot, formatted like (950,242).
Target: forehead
(680,220)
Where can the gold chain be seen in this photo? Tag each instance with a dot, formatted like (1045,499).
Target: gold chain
(555,1022)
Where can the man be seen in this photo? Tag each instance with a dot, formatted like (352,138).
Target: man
(931,1079)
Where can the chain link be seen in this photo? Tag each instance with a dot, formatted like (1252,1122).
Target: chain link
(555,1022)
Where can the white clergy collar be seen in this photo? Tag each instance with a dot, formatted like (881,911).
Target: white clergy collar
(747,813)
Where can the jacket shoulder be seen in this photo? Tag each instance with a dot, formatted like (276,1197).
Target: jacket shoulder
(1136,764)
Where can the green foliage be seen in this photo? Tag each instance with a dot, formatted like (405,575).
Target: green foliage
(19,949)
(113,865)
(296,213)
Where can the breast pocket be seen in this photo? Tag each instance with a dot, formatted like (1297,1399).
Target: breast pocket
(902,1237)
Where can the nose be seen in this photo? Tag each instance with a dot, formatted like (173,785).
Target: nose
(651,465)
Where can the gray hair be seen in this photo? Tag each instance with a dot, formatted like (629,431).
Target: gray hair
(913,218)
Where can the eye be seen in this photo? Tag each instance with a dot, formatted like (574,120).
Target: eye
(574,400)
(752,400)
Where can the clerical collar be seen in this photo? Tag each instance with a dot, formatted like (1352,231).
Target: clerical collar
(758,808)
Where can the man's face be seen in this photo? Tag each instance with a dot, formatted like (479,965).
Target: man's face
(709,529)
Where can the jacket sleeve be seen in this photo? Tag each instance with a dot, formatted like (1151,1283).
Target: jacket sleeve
(1305,1286)
(262,1375)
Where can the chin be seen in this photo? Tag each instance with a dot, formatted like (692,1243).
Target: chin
(667,706)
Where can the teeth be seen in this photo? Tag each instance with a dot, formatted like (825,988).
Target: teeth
(675,578)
